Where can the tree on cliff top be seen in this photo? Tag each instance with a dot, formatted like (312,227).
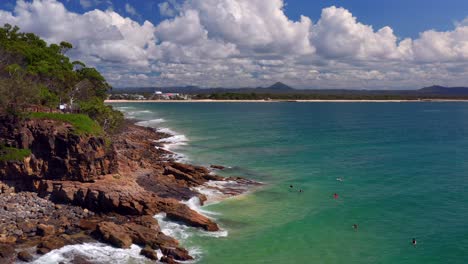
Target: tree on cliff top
(43,74)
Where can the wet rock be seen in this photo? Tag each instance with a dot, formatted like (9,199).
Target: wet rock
(114,234)
(148,221)
(184,214)
(88,224)
(149,253)
(25,256)
(7,253)
(169,260)
(50,244)
(218,167)
(177,253)
(45,230)
(42,251)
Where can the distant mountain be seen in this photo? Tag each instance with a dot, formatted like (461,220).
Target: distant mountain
(281,88)
(440,90)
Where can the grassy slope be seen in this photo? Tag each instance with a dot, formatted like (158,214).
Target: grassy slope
(13,154)
(82,124)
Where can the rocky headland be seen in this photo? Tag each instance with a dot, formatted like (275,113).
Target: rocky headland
(75,188)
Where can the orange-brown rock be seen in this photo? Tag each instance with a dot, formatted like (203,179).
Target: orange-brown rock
(112,192)
(50,244)
(57,152)
(169,260)
(149,253)
(124,236)
(25,256)
(114,234)
(45,230)
(176,253)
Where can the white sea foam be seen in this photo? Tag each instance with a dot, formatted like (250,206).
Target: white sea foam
(183,232)
(173,142)
(154,123)
(135,113)
(216,191)
(94,253)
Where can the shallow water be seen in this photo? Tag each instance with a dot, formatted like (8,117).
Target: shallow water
(404,169)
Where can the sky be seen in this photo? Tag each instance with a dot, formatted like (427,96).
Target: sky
(364,44)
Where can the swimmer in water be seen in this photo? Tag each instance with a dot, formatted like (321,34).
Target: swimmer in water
(414,242)
(301,190)
(335,196)
(355,226)
(290,186)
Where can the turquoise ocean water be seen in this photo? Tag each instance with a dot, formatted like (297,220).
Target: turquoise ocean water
(404,168)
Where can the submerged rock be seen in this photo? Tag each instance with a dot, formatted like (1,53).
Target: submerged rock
(218,167)
(177,253)
(149,253)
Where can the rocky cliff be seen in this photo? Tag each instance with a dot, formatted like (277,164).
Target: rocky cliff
(57,152)
(108,192)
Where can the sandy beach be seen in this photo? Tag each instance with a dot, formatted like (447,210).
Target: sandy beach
(283,101)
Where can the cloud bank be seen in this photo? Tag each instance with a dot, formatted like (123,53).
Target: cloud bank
(239,43)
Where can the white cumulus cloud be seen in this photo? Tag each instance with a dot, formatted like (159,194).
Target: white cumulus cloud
(241,43)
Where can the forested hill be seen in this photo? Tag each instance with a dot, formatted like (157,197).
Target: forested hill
(33,72)
(279,89)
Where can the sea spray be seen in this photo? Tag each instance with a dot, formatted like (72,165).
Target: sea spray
(94,253)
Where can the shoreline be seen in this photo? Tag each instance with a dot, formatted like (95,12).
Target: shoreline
(289,101)
(214,191)
(147,182)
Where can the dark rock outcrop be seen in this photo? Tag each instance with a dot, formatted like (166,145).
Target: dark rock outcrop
(25,256)
(57,153)
(149,253)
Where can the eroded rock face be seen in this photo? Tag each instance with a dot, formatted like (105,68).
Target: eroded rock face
(57,152)
(93,192)
(127,198)
(123,236)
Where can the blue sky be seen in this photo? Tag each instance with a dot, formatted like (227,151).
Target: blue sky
(406,17)
(369,44)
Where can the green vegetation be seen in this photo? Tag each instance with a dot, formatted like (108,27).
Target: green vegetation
(107,117)
(35,73)
(13,154)
(298,96)
(82,124)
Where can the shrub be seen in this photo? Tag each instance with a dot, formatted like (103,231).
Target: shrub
(13,154)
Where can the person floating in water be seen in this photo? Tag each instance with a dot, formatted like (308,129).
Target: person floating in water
(355,226)
(335,196)
(414,242)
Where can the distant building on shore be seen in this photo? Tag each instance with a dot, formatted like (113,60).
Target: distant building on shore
(158,95)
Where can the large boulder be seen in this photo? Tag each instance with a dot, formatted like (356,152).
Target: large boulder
(114,234)
(177,253)
(149,253)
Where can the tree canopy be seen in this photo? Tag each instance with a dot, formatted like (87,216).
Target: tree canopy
(33,72)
